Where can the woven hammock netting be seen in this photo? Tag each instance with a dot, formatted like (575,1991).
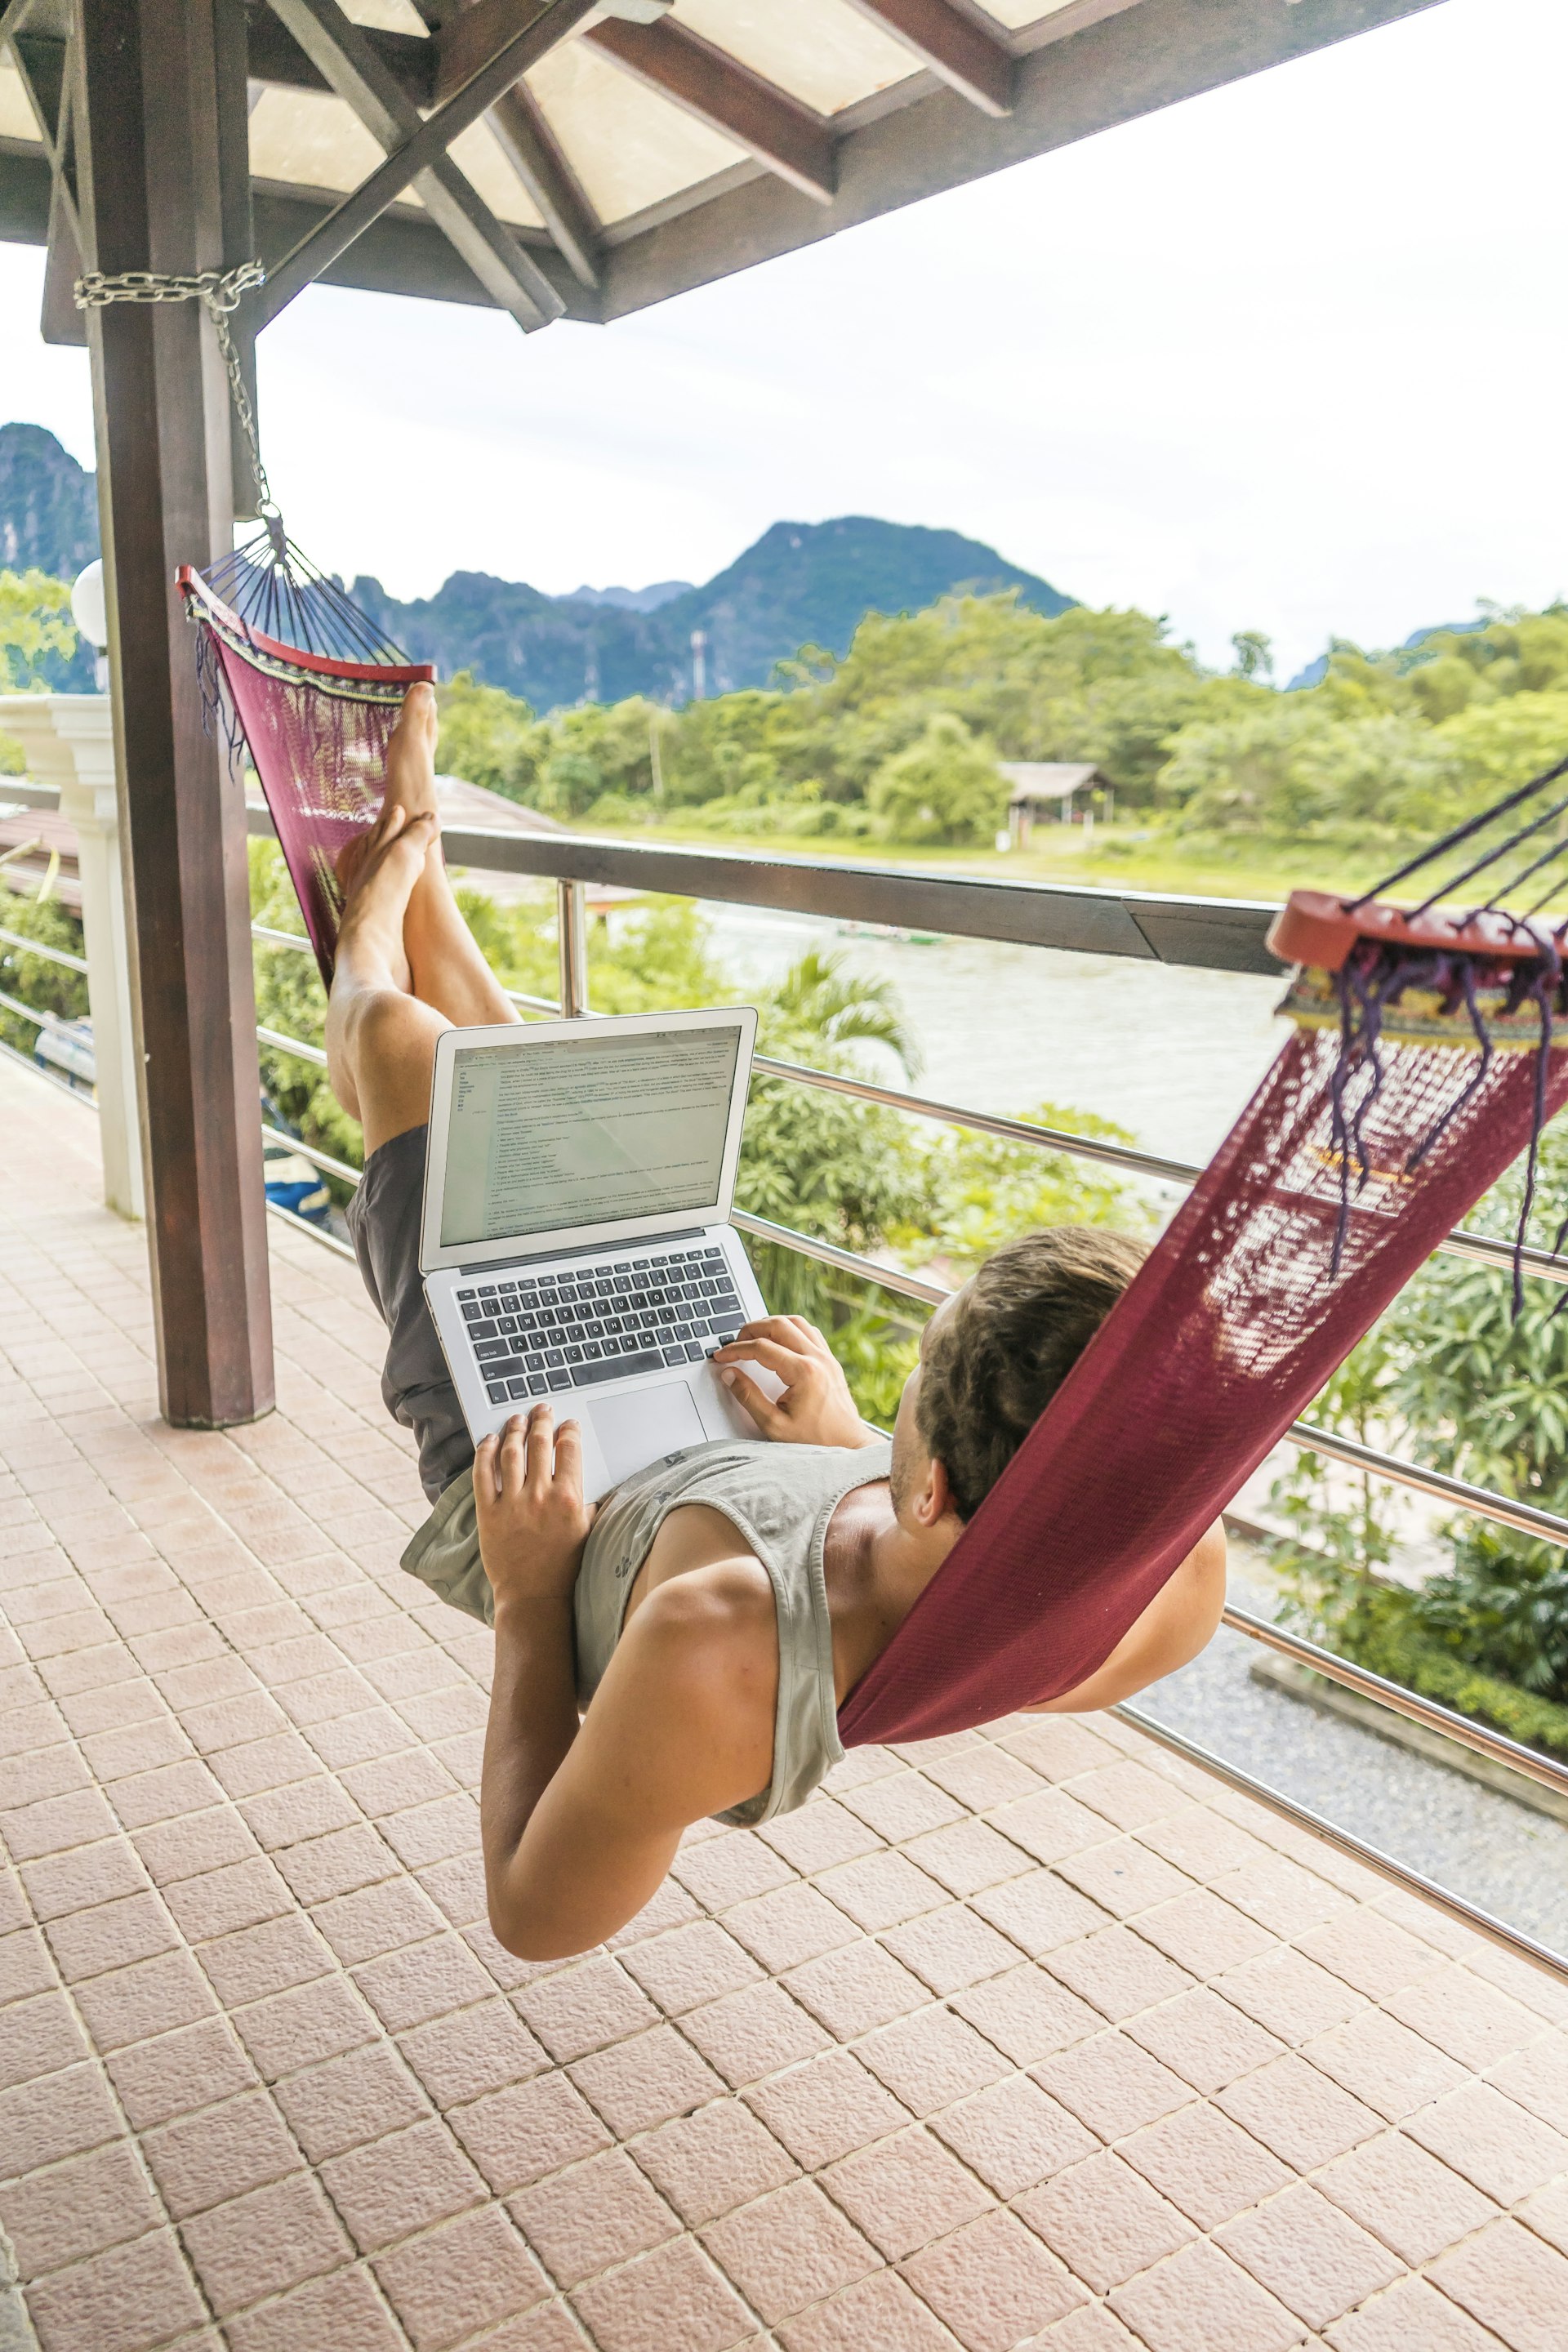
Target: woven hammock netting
(1429,1047)
(296,674)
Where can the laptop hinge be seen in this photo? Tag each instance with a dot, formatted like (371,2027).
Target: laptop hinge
(589,1249)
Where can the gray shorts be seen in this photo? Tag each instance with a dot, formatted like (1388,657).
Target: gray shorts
(383,1224)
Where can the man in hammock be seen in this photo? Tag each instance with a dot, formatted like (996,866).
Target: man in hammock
(710,1615)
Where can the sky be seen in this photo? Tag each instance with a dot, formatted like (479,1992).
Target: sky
(1287,357)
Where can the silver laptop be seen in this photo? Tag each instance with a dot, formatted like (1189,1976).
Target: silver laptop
(575,1240)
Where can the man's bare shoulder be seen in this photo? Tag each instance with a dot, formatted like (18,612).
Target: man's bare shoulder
(683,1724)
(720,1614)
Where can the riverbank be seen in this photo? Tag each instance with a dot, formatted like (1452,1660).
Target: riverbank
(1121,856)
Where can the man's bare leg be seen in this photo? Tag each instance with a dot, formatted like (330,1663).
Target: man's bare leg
(446,968)
(408,964)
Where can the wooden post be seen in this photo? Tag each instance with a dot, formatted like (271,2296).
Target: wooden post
(147,121)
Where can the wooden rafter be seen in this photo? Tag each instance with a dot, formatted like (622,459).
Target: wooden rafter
(471,34)
(531,148)
(958,49)
(776,128)
(277,59)
(331,41)
(417,150)
(463,37)
(43,69)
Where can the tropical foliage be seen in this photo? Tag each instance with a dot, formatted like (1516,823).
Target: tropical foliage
(901,738)
(1450,1378)
(34,979)
(35,621)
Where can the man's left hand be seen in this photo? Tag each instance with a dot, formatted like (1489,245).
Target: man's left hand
(815,1408)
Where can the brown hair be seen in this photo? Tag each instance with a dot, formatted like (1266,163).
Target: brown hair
(1000,1354)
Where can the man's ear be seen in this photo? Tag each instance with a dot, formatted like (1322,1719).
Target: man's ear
(936,1502)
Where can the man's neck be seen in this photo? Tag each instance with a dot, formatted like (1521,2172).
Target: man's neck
(876,1569)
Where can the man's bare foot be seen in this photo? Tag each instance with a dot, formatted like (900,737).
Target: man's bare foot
(378,881)
(411,756)
(409,791)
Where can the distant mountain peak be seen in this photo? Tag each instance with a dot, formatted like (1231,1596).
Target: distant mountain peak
(630,600)
(800,583)
(48,505)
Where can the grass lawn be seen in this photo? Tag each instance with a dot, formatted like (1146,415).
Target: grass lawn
(1116,857)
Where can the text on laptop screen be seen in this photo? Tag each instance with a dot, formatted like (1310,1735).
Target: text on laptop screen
(586,1131)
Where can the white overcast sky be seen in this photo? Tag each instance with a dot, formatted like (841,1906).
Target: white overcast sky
(1287,357)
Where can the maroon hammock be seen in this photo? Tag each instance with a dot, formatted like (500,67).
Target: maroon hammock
(316,726)
(1405,1092)
(1230,1327)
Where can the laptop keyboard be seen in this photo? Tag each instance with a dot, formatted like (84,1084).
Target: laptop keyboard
(533,1334)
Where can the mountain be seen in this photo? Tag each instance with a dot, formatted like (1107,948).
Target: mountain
(633,600)
(1317,671)
(801,584)
(48,505)
(49,521)
(814,583)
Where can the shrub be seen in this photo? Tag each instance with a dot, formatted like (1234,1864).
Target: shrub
(946,787)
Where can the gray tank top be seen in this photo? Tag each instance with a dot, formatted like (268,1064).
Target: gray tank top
(779,1499)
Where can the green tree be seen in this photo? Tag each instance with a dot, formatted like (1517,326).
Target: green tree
(1254,654)
(35,621)
(1451,1376)
(488,736)
(1497,743)
(34,979)
(946,787)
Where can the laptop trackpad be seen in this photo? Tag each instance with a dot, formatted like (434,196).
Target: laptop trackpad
(636,1428)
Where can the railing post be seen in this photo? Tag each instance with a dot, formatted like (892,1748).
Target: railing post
(572,930)
(69,741)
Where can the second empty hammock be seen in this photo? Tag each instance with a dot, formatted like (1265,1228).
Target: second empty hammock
(1427,1050)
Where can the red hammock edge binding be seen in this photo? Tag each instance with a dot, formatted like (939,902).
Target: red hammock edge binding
(189,584)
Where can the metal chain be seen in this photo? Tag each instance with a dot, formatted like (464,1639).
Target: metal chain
(220,292)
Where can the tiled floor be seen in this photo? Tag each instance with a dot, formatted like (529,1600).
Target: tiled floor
(1028,2038)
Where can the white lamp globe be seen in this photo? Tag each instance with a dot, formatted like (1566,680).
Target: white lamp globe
(88,608)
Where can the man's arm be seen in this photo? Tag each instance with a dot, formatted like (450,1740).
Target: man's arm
(580,1825)
(1178,1623)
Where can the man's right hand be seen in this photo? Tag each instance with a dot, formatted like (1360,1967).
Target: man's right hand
(816,1407)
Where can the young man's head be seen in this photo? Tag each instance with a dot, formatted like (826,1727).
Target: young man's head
(993,1356)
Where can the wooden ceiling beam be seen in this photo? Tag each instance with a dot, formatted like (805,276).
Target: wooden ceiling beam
(529,146)
(463,37)
(277,59)
(356,72)
(957,49)
(416,156)
(789,138)
(42,66)
(472,33)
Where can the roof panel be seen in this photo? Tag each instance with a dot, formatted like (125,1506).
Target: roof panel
(312,138)
(629,147)
(1018,14)
(16,114)
(487,171)
(307,139)
(823,52)
(390,15)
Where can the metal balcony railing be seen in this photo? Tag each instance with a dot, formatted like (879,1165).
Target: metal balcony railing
(1213,934)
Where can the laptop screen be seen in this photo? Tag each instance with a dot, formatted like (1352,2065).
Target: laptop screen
(585,1130)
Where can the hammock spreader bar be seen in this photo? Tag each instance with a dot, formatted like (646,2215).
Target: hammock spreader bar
(1427,1049)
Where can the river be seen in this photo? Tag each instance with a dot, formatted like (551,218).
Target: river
(1170,1054)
